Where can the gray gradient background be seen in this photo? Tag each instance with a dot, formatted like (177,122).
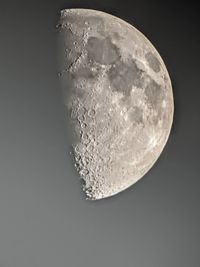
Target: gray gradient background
(44,220)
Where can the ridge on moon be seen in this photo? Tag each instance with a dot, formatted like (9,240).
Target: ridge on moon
(118,99)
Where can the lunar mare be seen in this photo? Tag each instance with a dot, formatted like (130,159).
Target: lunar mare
(118,99)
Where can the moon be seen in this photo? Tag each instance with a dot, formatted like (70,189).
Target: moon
(118,98)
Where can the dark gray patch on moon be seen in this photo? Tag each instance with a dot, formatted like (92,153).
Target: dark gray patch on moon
(154,93)
(123,76)
(153,61)
(116,36)
(136,115)
(102,50)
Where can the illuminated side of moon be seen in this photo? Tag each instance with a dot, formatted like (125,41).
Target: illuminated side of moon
(118,99)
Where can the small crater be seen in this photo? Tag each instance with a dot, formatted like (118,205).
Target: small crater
(85,139)
(153,62)
(90,147)
(102,51)
(91,113)
(81,118)
(77,166)
(83,125)
(82,111)
(83,172)
(79,149)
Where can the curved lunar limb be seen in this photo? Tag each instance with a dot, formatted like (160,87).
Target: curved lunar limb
(118,99)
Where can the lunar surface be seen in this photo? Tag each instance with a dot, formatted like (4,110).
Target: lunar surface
(118,99)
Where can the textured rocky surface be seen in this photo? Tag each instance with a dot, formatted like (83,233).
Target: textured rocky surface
(118,97)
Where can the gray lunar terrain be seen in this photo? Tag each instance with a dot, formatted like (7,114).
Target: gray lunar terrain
(118,99)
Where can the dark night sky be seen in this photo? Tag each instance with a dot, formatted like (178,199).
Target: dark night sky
(44,219)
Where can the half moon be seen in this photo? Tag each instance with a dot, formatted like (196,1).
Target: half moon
(118,98)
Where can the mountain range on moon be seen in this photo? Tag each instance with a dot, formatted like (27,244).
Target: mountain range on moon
(118,99)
